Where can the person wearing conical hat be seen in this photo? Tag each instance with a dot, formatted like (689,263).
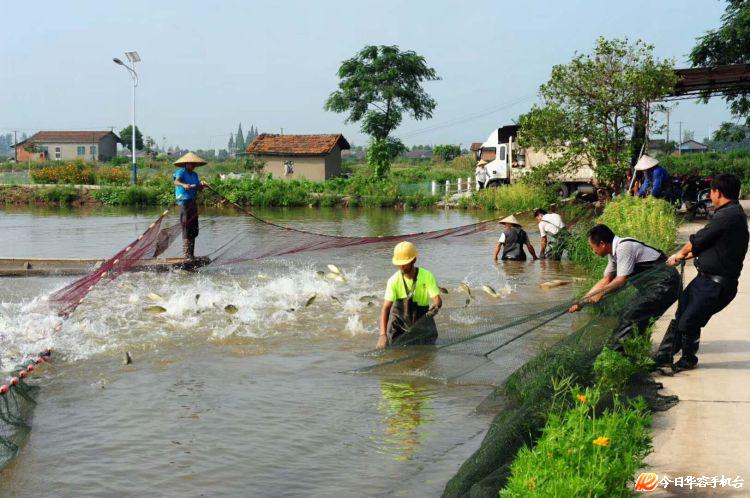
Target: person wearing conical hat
(186,188)
(656,177)
(512,240)
(480,174)
(411,300)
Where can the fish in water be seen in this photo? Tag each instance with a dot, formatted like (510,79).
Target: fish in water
(370,303)
(231,309)
(155,309)
(443,290)
(128,359)
(365,299)
(467,302)
(321,273)
(489,290)
(465,286)
(154,297)
(290,310)
(334,298)
(311,300)
(336,276)
(335,269)
(554,283)
(197,296)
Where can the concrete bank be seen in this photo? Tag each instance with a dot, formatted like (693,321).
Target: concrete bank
(707,433)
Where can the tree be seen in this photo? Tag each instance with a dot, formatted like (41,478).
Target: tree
(126,138)
(239,140)
(729,44)
(591,105)
(447,152)
(730,132)
(377,87)
(149,144)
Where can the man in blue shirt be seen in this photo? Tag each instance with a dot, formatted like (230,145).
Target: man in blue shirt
(657,178)
(186,188)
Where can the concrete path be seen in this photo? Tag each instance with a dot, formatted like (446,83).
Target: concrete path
(708,432)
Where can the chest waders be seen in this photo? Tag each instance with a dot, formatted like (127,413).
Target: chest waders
(513,245)
(557,243)
(408,322)
(656,293)
(189,222)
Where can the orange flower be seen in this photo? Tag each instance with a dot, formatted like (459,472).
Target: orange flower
(582,398)
(601,441)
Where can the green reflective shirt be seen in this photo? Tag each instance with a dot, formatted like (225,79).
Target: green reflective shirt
(425,290)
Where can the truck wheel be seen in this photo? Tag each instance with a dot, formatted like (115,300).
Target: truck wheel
(493,183)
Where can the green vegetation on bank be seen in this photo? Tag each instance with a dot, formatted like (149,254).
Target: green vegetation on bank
(736,162)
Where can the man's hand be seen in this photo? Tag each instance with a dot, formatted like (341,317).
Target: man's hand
(675,259)
(382,341)
(575,307)
(595,298)
(204,183)
(433,310)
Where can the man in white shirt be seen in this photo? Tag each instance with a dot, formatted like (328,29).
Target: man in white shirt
(480,174)
(553,234)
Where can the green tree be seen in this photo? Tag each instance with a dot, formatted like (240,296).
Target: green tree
(447,152)
(126,137)
(730,132)
(591,105)
(377,87)
(239,140)
(729,44)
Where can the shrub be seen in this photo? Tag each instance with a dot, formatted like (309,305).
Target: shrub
(131,196)
(509,198)
(63,195)
(113,176)
(72,173)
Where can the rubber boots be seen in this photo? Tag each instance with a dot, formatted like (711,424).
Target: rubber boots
(188,248)
(690,344)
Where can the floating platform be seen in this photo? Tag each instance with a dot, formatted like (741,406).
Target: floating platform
(41,267)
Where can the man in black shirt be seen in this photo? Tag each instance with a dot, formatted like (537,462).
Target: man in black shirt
(719,249)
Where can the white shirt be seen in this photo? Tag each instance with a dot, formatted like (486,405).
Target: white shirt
(551,224)
(625,255)
(481,174)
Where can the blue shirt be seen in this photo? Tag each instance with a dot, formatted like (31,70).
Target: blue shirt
(191,178)
(657,178)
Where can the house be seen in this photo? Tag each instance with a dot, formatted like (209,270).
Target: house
(692,147)
(418,154)
(68,145)
(295,157)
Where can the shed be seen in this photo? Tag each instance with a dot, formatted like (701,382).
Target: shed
(295,157)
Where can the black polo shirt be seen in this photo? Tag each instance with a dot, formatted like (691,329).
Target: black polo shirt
(720,246)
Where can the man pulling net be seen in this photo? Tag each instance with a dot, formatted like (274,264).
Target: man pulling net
(186,188)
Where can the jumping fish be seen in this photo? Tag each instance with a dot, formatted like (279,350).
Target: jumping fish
(128,359)
(467,302)
(155,309)
(321,273)
(365,299)
(335,269)
(154,297)
(466,287)
(231,309)
(197,296)
(334,298)
(370,303)
(554,283)
(311,300)
(489,290)
(336,276)
(443,290)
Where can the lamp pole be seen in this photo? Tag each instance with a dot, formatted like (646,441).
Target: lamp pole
(133,57)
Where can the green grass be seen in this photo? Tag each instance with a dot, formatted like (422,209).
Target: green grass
(509,198)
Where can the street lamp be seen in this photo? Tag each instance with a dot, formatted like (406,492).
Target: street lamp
(133,57)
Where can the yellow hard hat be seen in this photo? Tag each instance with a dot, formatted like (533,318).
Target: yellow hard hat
(404,253)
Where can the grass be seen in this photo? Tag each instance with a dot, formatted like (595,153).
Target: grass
(509,198)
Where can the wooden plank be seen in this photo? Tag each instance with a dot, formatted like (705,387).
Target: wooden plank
(28,267)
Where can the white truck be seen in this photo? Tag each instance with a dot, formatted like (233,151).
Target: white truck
(506,162)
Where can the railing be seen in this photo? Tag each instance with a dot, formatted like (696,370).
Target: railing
(459,186)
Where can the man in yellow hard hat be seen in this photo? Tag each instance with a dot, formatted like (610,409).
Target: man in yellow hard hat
(186,188)
(412,299)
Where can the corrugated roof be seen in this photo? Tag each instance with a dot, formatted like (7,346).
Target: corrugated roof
(70,136)
(296,145)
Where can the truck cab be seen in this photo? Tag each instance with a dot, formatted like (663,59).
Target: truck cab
(497,150)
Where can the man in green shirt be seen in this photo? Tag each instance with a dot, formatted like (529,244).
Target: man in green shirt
(412,299)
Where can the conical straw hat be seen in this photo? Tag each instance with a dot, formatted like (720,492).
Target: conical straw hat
(191,158)
(645,162)
(510,219)
(481,162)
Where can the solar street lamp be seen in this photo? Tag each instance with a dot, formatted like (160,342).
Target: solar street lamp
(133,57)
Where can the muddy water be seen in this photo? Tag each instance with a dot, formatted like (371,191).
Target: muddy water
(254,403)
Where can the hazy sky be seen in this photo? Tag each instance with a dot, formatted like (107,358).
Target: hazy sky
(209,65)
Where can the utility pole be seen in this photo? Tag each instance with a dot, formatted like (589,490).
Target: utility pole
(15,145)
(669,111)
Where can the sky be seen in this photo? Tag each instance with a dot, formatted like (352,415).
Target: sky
(208,66)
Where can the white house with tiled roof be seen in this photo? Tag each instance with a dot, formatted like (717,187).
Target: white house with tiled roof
(296,157)
(68,145)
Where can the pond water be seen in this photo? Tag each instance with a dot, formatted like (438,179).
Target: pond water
(255,403)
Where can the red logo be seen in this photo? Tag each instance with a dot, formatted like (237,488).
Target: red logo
(647,481)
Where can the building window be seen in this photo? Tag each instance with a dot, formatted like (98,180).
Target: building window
(81,150)
(58,154)
(92,150)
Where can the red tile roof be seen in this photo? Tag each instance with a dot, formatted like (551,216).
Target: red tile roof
(296,145)
(70,136)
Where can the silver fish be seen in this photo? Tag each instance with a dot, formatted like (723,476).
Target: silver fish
(336,276)
(321,273)
(155,309)
(154,297)
(335,269)
(466,287)
(231,309)
(443,290)
(467,302)
(311,300)
(334,298)
(553,283)
(489,290)
(128,359)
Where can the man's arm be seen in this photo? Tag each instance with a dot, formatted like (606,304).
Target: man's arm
(543,248)
(644,187)
(497,250)
(385,312)
(597,291)
(656,189)
(685,253)
(531,249)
